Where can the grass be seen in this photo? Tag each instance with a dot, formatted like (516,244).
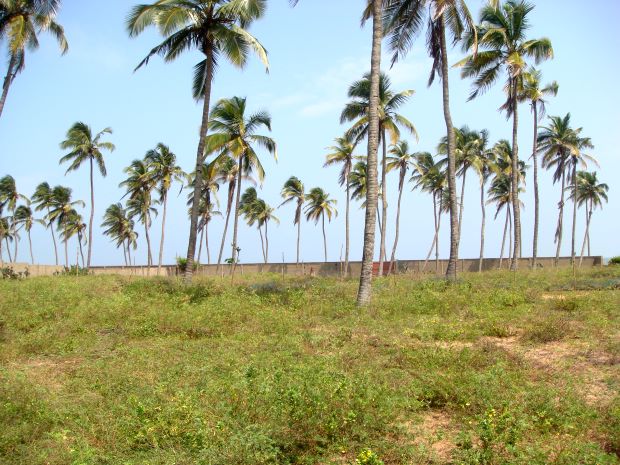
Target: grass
(495,369)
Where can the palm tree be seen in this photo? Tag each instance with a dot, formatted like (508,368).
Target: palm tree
(318,206)
(61,208)
(5,235)
(257,211)
(85,146)
(356,111)
(217,28)
(400,160)
(207,195)
(165,171)
(25,218)
(207,212)
(484,166)
(75,226)
(235,135)
(43,200)
(9,197)
(560,146)
(501,195)
(20,23)
(405,19)
(140,184)
(591,194)
(532,91)
(504,45)
(294,191)
(120,228)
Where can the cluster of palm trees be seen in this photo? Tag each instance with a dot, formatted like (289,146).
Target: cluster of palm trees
(498,48)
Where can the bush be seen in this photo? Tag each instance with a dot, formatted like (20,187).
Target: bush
(9,273)
(614,261)
(182,264)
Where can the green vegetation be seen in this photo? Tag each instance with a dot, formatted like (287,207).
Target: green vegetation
(499,368)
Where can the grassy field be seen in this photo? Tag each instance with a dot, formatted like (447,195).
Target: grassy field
(496,369)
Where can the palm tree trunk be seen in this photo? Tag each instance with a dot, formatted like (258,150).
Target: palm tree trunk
(298,232)
(125,253)
(163,232)
(15,239)
(8,249)
(501,255)
(324,236)
(262,244)
(347,226)
(365,289)
(510,238)
(482,226)
(207,243)
(30,244)
(129,252)
(66,246)
(536,193)
(437,240)
(236,220)
(202,233)
(92,215)
(574,229)
(560,229)
(266,243)
(81,251)
(462,205)
(428,256)
(401,185)
(516,207)
(149,258)
(231,195)
(53,238)
(454,223)
(384,203)
(587,233)
(8,80)
(200,156)
(1,257)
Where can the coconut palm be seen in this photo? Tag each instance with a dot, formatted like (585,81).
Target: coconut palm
(258,211)
(43,199)
(207,212)
(590,193)
(532,91)
(61,207)
(390,121)
(120,228)
(20,23)
(234,134)
(400,159)
(140,184)
(405,20)
(164,171)
(24,217)
(86,146)
(208,194)
(6,236)
(504,46)
(294,191)
(484,167)
(247,206)
(217,28)
(318,206)
(9,197)
(75,226)
(358,183)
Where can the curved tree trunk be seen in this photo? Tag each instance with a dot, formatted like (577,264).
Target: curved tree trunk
(298,232)
(482,226)
(324,236)
(560,229)
(454,222)
(536,193)
(231,196)
(574,228)
(384,203)
(516,207)
(587,232)
(266,243)
(236,219)
(207,243)
(163,232)
(365,286)
(202,235)
(81,250)
(401,185)
(501,255)
(8,249)
(92,214)
(462,205)
(125,253)
(510,238)
(8,80)
(428,256)
(262,244)
(51,226)
(200,157)
(30,244)
(149,258)
(15,239)
(437,240)
(66,247)
(347,226)
(129,252)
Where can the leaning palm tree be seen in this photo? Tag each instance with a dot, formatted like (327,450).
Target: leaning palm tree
(504,46)
(86,146)
(43,200)
(208,194)
(165,171)
(120,228)
(24,217)
(356,111)
(500,194)
(400,160)
(405,20)
(9,197)
(60,212)
(207,212)
(234,134)
(294,191)
(591,195)
(20,23)
(318,206)
(484,166)
(75,226)
(5,236)
(217,28)
(260,212)
(532,91)
(141,206)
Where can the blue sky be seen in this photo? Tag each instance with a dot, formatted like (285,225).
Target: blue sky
(316,50)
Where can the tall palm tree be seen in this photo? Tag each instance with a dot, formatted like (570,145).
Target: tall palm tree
(504,46)
(208,193)
(531,90)
(405,19)
(590,193)
(9,197)
(120,228)
(60,212)
(20,23)
(294,191)
(165,171)
(400,160)
(342,153)
(390,121)
(318,206)
(86,146)
(234,134)
(24,217)
(216,28)
(43,200)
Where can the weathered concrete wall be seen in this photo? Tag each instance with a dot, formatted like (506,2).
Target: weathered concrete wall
(35,270)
